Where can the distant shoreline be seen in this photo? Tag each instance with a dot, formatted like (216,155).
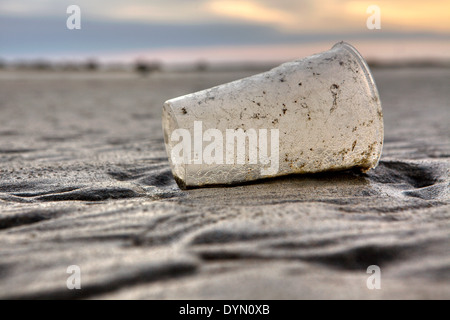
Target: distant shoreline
(154,67)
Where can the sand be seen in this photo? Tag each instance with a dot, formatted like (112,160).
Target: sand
(84,180)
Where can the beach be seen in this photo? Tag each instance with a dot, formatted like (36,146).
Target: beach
(85,181)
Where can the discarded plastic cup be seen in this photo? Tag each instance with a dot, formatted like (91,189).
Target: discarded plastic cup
(320,113)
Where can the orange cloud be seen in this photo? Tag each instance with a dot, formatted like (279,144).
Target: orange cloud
(405,15)
(250,11)
(337,15)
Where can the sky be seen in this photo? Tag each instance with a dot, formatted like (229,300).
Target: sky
(178,30)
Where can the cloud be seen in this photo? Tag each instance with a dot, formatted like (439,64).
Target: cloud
(38,27)
(406,15)
(169,11)
(29,8)
(305,16)
(250,11)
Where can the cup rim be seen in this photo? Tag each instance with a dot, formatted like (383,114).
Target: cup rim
(371,83)
(363,64)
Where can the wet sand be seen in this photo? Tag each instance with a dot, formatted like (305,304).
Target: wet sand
(84,180)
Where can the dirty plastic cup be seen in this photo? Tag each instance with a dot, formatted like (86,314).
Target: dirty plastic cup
(320,113)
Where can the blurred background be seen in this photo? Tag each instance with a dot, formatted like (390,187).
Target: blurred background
(85,178)
(156,34)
